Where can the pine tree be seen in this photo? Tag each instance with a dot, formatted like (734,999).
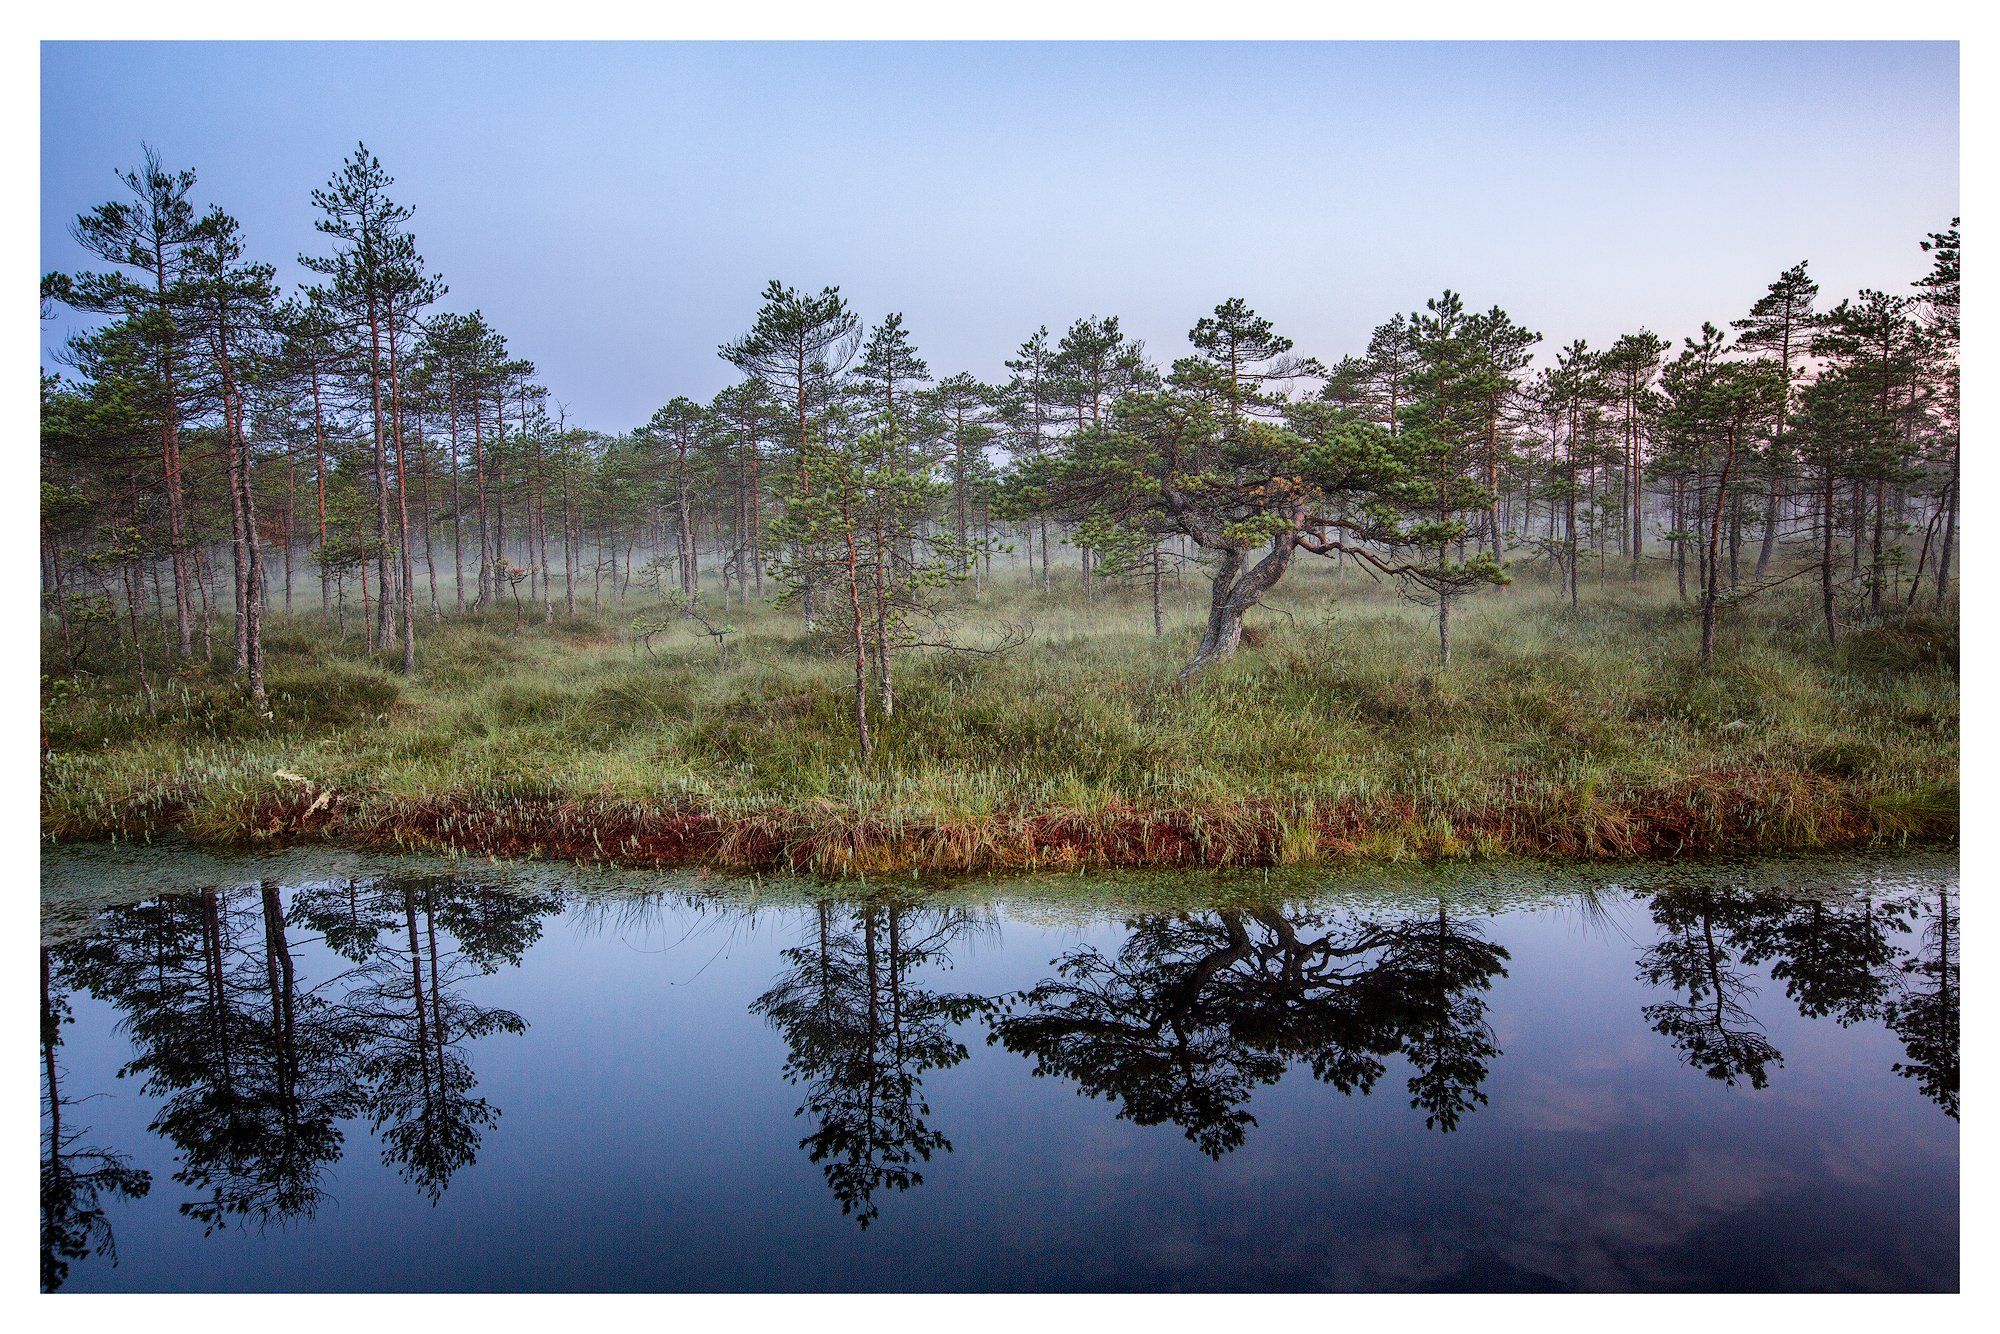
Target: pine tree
(1390,362)
(1247,360)
(961,403)
(1779,325)
(744,417)
(1027,407)
(799,347)
(1163,462)
(676,430)
(1832,427)
(1502,351)
(1443,425)
(1873,339)
(1938,291)
(1095,364)
(232,315)
(150,236)
(376,285)
(1629,367)
(889,372)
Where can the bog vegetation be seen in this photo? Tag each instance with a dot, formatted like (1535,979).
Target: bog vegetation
(333,563)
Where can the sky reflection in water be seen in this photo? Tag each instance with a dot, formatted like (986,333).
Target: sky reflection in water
(402,1076)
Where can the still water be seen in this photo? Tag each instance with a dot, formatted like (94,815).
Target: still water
(318,1072)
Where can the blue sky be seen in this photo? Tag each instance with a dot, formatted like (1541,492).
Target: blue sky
(616,208)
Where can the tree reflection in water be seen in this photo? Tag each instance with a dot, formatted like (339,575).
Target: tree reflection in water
(1697,961)
(861,1033)
(256,1068)
(1922,1006)
(1851,958)
(1195,1012)
(252,1071)
(257,1064)
(405,1008)
(76,1181)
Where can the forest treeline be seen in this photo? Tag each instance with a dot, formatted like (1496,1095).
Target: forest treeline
(215,448)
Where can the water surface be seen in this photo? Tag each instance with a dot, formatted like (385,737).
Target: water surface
(323,1072)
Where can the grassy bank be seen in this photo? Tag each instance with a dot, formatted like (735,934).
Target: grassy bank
(1587,733)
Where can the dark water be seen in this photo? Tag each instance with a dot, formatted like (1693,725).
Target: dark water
(287,1074)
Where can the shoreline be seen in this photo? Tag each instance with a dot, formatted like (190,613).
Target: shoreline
(1719,813)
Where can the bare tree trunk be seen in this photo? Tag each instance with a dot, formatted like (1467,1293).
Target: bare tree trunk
(138,643)
(429,515)
(291,519)
(1875,555)
(1638,471)
(1924,553)
(882,648)
(457,505)
(569,542)
(486,589)
(1680,541)
(319,483)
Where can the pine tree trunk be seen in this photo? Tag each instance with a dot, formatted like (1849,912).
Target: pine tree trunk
(1232,592)
(1770,542)
(1950,533)
(860,633)
(1713,578)
(409,582)
(385,624)
(1158,626)
(1826,554)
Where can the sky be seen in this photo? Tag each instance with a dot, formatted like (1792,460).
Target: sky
(616,209)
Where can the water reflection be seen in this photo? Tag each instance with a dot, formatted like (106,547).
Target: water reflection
(77,1180)
(255,1068)
(1849,959)
(251,1073)
(1194,1012)
(860,1033)
(269,1025)
(1922,1006)
(405,1014)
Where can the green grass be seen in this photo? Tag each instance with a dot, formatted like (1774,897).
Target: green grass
(1591,732)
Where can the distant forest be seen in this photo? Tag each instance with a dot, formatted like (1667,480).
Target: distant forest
(215,450)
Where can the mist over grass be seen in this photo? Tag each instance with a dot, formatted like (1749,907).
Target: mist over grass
(1334,734)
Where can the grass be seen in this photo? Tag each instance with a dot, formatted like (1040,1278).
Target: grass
(1332,736)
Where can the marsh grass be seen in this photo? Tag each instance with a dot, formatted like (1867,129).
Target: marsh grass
(1587,732)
